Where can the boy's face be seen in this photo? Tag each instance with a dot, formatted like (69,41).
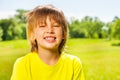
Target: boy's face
(48,34)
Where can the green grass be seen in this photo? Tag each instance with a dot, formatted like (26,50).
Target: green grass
(101,60)
(9,52)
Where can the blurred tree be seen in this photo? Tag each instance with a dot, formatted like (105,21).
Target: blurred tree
(87,24)
(17,31)
(105,32)
(92,26)
(109,25)
(14,28)
(97,28)
(115,18)
(20,16)
(116,29)
(23,33)
(76,30)
(5,24)
(1,33)
(86,28)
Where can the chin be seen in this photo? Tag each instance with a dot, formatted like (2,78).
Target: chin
(51,47)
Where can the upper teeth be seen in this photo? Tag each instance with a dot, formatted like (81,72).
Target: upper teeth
(50,38)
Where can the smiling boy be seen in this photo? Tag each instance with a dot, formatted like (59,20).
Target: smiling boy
(47,32)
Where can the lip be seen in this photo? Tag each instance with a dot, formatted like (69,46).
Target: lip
(50,39)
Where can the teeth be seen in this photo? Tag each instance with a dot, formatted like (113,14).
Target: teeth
(50,38)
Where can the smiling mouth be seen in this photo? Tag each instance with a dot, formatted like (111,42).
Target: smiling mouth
(50,38)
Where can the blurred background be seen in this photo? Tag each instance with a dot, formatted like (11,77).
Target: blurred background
(94,34)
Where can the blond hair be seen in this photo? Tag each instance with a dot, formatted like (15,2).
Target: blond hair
(39,14)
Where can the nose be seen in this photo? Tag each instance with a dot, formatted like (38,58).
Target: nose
(50,29)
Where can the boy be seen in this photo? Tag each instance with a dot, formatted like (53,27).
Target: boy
(47,32)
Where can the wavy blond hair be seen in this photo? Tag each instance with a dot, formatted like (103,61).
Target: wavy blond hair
(39,14)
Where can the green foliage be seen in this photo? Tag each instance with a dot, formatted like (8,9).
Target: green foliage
(76,30)
(116,29)
(20,16)
(88,27)
(13,28)
(94,28)
(5,24)
(1,33)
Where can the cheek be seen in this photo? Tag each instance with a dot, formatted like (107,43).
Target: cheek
(38,33)
(60,32)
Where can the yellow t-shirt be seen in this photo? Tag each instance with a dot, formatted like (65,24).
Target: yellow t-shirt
(31,67)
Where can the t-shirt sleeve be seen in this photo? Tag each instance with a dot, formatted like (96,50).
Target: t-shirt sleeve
(78,70)
(19,71)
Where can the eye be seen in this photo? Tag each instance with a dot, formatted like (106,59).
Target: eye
(55,25)
(41,26)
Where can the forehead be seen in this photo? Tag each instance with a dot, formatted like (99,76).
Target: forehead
(45,19)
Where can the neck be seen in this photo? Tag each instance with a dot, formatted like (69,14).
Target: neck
(49,57)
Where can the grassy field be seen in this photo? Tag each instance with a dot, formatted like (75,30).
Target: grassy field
(101,60)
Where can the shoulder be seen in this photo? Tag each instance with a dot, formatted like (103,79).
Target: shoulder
(72,58)
(23,59)
(20,68)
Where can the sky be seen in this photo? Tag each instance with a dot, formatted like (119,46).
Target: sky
(105,10)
